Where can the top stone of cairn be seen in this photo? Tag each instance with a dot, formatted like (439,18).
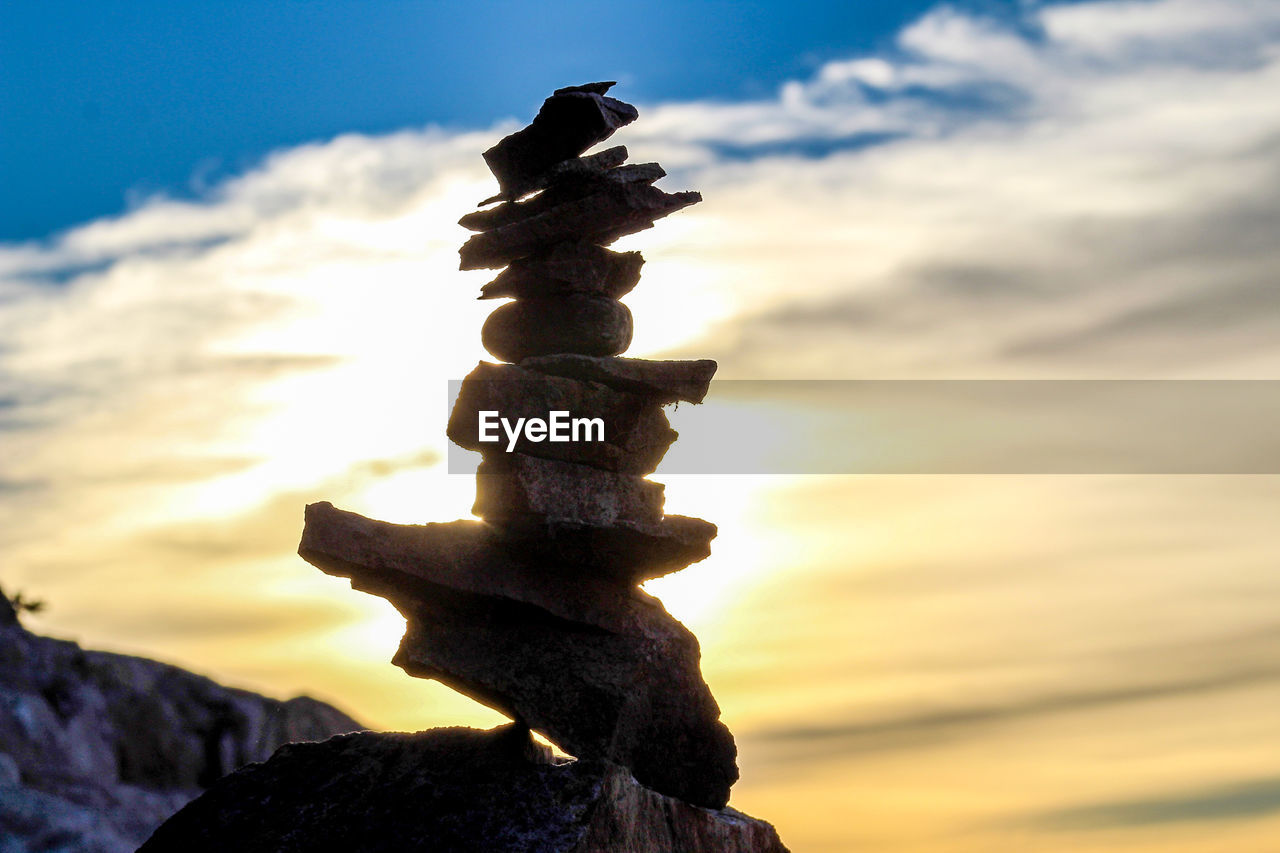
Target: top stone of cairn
(572,120)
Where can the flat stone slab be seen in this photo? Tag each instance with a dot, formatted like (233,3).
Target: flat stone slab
(572,120)
(576,323)
(574,266)
(563,184)
(631,437)
(663,381)
(616,209)
(452,789)
(637,552)
(575,167)
(388,559)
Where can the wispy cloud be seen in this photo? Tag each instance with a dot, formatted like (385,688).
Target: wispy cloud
(1087,191)
(1252,799)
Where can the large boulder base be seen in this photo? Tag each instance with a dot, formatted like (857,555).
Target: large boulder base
(451,790)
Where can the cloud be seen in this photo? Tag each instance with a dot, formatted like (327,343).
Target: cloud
(1118,203)
(835,742)
(1252,799)
(1088,191)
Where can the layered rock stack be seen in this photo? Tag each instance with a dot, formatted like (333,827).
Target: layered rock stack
(537,611)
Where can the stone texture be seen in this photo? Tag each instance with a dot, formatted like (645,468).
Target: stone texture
(564,185)
(614,210)
(603,671)
(637,699)
(569,122)
(451,791)
(662,381)
(390,560)
(577,323)
(521,491)
(576,167)
(630,551)
(574,266)
(578,574)
(636,432)
(100,748)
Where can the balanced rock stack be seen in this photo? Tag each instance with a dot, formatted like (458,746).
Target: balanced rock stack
(536,611)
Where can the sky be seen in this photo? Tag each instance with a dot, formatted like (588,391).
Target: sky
(229,287)
(117,102)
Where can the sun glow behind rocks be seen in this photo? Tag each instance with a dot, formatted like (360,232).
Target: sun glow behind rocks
(941,663)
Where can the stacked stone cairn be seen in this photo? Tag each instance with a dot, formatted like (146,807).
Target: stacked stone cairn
(537,611)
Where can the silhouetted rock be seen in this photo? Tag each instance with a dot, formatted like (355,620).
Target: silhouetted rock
(574,266)
(631,551)
(578,323)
(97,749)
(516,490)
(575,567)
(592,164)
(564,185)
(536,612)
(636,698)
(449,791)
(569,122)
(632,436)
(613,210)
(389,560)
(662,381)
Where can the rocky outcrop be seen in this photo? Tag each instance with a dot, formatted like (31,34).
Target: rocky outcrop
(449,791)
(97,749)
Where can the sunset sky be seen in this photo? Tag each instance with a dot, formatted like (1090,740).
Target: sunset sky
(229,287)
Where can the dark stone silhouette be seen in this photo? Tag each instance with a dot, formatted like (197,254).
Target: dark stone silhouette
(617,208)
(636,431)
(576,322)
(568,267)
(536,610)
(662,381)
(570,121)
(448,791)
(515,490)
